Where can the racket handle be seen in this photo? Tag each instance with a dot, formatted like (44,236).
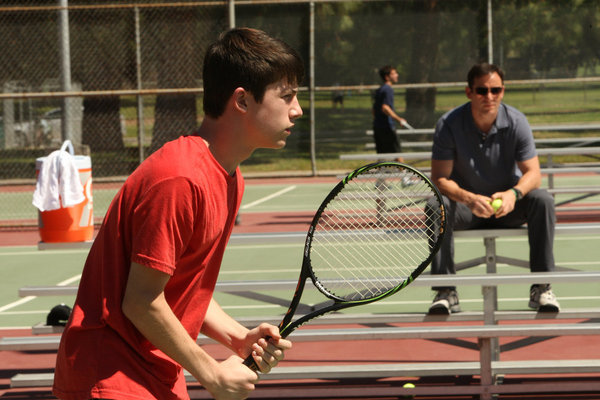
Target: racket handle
(249,361)
(407,125)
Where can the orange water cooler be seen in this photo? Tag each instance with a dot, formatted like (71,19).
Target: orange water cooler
(75,223)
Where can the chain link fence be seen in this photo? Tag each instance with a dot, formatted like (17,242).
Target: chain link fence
(120,79)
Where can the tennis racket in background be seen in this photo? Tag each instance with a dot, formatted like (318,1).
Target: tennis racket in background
(374,233)
(407,125)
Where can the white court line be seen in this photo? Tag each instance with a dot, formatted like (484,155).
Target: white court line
(34,251)
(69,281)
(29,298)
(269,197)
(17,303)
(30,312)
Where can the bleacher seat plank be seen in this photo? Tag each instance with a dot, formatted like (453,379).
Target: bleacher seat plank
(397,318)
(424,280)
(298,237)
(29,343)
(574,142)
(572,190)
(65,245)
(534,128)
(427,154)
(380,370)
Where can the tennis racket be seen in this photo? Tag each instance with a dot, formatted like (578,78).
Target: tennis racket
(374,233)
(407,125)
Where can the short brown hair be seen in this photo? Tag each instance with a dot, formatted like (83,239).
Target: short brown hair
(248,58)
(482,69)
(385,71)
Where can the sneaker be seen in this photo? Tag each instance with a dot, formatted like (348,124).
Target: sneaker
(445,302)
(408,181)
(542,299)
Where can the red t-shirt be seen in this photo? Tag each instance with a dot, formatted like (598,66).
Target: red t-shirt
(175,213)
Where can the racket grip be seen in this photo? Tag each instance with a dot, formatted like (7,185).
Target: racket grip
(250,363)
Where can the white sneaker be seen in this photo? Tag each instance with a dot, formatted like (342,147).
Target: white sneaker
(445,302)
(542,299)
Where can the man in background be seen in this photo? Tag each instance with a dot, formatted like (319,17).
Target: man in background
(384,115)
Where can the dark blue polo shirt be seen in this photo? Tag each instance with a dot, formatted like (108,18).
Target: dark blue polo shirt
(484,164)
(383,95)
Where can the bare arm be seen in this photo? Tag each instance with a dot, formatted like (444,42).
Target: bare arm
(387,110)
(531,179)
(480,205)
(224,329)
(532,176)
(440,175)
(146,307)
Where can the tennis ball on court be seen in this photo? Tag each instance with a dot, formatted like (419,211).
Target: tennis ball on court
(496,204)
(408,386)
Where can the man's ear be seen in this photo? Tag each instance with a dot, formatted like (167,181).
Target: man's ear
(468,91)
(240,99)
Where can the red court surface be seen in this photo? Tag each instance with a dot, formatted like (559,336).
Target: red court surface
(358,352)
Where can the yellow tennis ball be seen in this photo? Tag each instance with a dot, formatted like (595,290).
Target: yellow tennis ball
(496,204)
(408,386)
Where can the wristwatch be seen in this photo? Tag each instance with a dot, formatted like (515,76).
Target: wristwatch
(518,193)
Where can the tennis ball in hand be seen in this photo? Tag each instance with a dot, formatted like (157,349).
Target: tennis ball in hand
(496,204)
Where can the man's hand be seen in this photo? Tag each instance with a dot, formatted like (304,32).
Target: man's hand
(508,202)
(266,353)
(231,380)
(480,206)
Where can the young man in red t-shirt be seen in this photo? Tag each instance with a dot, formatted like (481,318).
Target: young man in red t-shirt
(146,289)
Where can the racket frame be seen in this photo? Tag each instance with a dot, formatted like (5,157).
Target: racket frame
(287,326)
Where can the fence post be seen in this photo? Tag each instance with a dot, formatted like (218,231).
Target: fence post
(311,41)
(140,100)
(65,70)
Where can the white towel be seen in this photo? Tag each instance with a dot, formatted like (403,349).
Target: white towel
(58,183)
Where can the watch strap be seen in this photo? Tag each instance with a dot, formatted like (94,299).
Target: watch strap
(518,193)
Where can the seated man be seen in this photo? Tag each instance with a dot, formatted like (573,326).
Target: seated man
(483,151)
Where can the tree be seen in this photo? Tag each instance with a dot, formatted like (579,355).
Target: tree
(420,102)
(100,61)
(177,62)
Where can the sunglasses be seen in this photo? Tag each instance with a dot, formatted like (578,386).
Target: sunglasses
(483,91)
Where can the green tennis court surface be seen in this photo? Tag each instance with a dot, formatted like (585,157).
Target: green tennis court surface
(27,266)
(293,201)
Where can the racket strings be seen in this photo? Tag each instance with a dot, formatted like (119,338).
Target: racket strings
(374,233)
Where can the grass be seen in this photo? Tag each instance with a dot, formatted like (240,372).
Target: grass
(340,131)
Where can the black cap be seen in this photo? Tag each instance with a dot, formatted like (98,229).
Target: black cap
(59,315)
